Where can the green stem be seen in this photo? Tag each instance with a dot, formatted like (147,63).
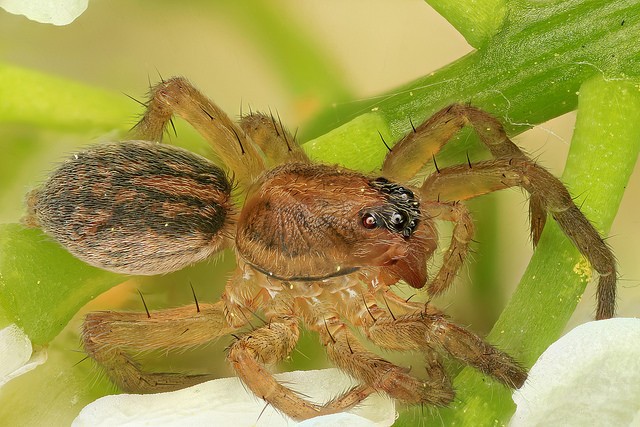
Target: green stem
(527,74)
(603,153)
(477,21)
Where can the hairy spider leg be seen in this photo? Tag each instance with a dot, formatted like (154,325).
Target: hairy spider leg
(396,307)
(420,327)
(275,141)
(458,250)
(455,182)
(419,147)
(177,96)
(272,343)
(510,168)
(110,337)
(347,353)
(407,326)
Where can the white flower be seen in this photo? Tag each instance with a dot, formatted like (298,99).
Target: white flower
(227,402)
(591,376)
(56,12)
(16,354)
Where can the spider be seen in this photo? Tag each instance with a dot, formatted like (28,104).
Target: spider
(317,246)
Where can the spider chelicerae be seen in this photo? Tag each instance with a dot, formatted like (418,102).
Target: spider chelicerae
(317,246)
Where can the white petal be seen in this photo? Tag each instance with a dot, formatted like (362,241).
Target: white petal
(226,402)
(591,376)
(16,355)
(58,12)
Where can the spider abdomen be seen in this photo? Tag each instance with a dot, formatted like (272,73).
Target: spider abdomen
(134,207)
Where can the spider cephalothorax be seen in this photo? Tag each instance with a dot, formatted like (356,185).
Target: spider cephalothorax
(306,222)
(317,245)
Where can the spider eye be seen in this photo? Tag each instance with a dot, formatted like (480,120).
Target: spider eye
(397,219)
(369,221)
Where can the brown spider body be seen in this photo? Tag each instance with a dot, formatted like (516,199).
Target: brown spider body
(317,245)
(304,222)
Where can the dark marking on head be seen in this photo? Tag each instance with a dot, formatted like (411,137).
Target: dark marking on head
(402,212)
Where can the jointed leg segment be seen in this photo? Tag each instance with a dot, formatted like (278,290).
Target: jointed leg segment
(109,337)
(419,147)
(461,237)
(423,328)
(348,354)
(177,96)
(549,195)
(434,334)
(273,343)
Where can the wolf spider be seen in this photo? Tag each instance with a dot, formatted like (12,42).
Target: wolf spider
(317,245)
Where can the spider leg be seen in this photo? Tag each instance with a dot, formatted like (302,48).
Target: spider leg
(435,333)
(177,96)
(419,147)
(270,344)
(397,306)
(511,167)
(344,349)
(424,328)
(461,183)
(109,337)
(458,248)
(277,144)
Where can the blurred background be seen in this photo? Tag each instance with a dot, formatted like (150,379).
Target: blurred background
(294,57)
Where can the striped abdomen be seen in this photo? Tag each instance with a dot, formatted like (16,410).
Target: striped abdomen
(135,207)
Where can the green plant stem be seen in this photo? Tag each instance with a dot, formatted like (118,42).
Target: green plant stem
(603,154)
(477,21)
(527,74)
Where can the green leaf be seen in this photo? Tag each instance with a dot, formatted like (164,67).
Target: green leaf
(42,101)
(41,285)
